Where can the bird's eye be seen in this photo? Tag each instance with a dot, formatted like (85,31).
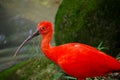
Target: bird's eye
(43,28)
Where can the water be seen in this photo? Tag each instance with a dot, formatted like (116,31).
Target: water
(18,19)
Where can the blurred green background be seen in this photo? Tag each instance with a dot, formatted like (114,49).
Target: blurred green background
(18,19)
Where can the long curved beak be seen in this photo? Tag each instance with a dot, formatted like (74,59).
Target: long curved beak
(36,33)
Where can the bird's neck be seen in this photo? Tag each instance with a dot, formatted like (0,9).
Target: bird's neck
(46,48)
(45,43)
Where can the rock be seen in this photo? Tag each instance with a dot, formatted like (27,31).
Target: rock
(89,22)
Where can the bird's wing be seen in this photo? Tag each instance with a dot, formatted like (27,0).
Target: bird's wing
(81,58)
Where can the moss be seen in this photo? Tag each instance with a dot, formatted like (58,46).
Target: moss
(89,22)
(33,69)
(10,72)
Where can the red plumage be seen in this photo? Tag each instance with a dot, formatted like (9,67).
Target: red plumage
(76,59)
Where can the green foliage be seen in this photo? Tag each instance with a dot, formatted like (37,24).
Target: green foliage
(9,74)
(57,75)
(100,47)
(70,78)
(37,69)
(34,69)
(89,22)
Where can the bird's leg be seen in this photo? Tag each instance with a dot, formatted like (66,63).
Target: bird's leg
(80,79)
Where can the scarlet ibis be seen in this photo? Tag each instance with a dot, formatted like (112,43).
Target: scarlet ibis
(76,59)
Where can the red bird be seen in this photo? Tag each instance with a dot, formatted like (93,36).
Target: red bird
(75,59)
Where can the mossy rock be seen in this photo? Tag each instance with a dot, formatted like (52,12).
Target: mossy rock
(34,69)
(89,22)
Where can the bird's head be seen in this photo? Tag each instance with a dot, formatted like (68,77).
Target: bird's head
(43,28)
